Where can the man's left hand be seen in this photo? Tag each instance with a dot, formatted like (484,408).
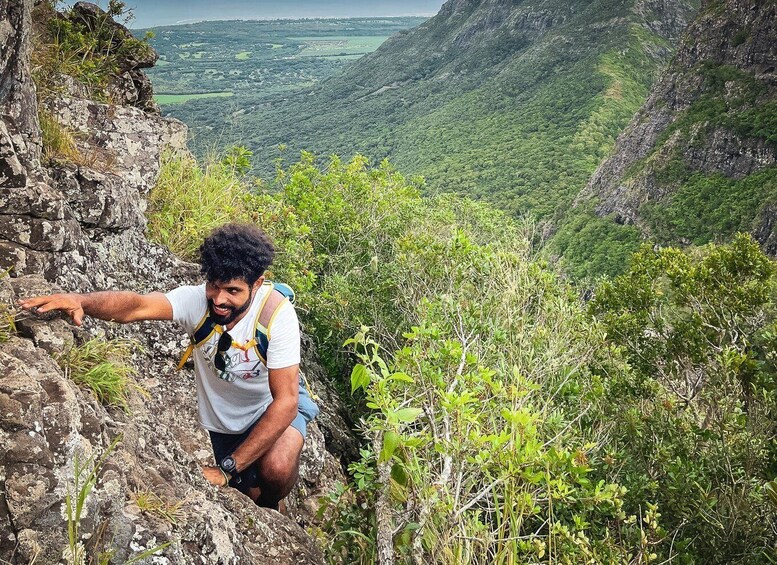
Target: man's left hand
(214,475)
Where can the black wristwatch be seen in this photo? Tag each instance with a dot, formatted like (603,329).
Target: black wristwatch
(228,465)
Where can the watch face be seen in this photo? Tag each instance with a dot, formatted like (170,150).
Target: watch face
(228,464)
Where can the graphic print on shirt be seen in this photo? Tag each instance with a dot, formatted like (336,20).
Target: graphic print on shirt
(238,363)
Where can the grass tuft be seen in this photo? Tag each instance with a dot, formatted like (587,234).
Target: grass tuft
(7,318)
(151,503)
(98,365)
(84,480)
(7,324)
(190,200)
(58,141)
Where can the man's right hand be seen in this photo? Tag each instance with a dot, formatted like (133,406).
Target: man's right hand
(112,305)
(67,303)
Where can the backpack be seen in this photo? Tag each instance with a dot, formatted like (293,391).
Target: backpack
(271,305)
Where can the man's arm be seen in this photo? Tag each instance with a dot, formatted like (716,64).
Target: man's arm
(118,306)
(284,386)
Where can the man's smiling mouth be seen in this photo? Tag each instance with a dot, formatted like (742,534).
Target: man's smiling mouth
(221,311)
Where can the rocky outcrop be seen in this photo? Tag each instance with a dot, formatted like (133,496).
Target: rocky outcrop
(129,86)
(48,424)
(79,226)
(20,134)
(696,117)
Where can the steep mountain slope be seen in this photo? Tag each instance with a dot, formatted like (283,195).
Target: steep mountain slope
(699,160)
(78,224)
(513,101)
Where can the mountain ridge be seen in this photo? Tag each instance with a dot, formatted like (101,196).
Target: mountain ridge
(707,127)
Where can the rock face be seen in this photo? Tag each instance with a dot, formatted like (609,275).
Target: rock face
(80,227)
(17,92)
(709,114)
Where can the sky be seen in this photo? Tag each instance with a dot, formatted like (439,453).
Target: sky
(151,13)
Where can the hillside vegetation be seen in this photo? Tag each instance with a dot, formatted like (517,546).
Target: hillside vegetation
(698,163)
(233,68)
(504,421)
(515,103)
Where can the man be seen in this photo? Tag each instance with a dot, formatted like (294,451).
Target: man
(250,401)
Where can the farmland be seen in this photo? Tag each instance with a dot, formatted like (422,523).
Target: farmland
(209,61)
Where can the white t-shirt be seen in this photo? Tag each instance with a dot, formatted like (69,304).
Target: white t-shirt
(232,403)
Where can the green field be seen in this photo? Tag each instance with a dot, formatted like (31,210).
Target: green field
(165,99)
(349,57)
(255,62)
(339,45)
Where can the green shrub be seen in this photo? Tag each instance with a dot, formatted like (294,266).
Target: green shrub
(500,424)
(190,200)
(694,429)
(481,445)
(100,366)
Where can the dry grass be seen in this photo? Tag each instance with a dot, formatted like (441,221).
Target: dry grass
(149,502)
(59,142)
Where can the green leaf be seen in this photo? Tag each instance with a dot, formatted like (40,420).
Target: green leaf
(771,491)
(399,474)
(360,378)
(403,377)
(391,441)
(408,415)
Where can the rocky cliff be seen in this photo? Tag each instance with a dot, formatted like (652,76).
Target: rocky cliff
(79,226)
(698,160)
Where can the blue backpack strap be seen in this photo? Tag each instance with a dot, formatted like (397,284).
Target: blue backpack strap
(277,295)
(204,330)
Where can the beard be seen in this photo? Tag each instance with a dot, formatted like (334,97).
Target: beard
(234,313)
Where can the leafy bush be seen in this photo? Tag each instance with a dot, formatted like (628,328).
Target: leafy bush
(695,428)
(190,200)
(100,366)
(500,424)
(498,345)
(481,449)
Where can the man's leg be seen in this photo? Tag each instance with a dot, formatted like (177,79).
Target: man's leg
(278,469)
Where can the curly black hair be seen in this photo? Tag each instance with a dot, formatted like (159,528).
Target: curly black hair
(236,251)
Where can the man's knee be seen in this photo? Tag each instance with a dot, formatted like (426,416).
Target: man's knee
(279,469)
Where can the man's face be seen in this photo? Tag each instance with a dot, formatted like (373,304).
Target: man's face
(229,300)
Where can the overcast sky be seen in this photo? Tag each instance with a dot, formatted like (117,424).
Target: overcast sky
(150,13)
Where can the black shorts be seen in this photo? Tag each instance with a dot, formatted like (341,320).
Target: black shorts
(225,444)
